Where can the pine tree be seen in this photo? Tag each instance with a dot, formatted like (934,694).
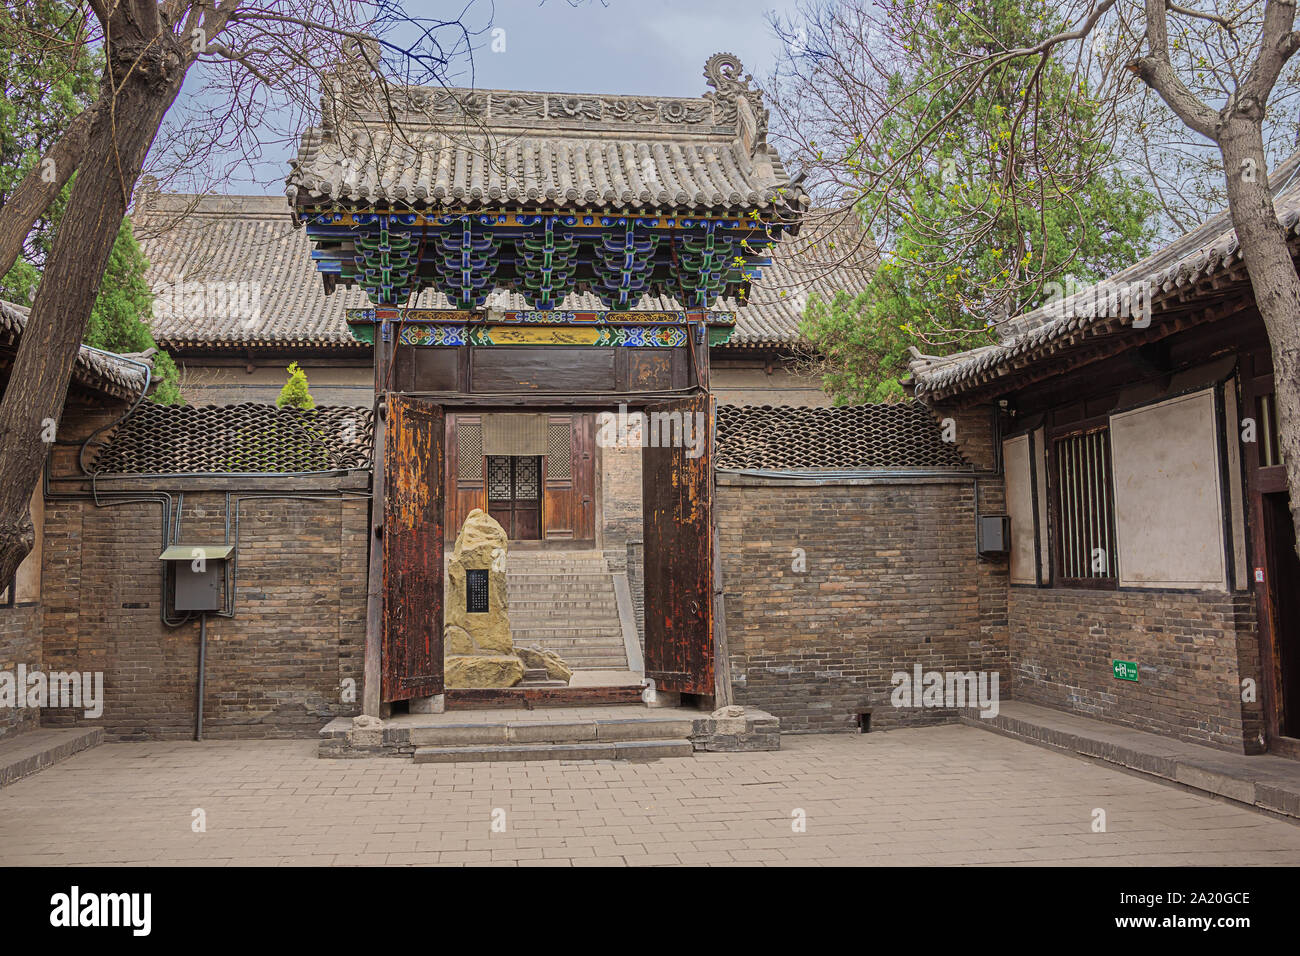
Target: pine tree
(41,95)
(295,393)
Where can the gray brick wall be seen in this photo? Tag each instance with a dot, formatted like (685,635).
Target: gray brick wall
(20,643)
(1192,650)
(273,670)
(892,580)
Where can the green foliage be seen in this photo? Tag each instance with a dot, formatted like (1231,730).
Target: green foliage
(295,393)
(43,91)
(982,219)
(116,322)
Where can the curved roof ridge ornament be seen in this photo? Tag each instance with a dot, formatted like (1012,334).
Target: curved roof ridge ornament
(725,73)
(736,102)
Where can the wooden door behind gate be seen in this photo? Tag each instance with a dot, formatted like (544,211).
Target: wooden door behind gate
(514,494)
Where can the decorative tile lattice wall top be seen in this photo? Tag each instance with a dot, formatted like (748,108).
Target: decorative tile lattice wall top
(237,439)
(252,438)
(904,435)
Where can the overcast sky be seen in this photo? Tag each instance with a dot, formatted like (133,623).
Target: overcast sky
(635,47)
(651,47)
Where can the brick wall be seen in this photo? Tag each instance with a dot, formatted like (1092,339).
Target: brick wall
(1192,650)
(620,499)
(621,528)
(273,670)
(20,643)
(892,580)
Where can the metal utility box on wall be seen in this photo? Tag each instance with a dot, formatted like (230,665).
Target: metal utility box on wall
(199,573)
(994,534)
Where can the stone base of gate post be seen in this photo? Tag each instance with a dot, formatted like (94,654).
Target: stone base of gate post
(435,704)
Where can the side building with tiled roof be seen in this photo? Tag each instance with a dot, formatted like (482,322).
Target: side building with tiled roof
(237,298)
(1154,580)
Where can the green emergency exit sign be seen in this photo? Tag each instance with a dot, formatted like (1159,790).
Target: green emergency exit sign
(1125,670)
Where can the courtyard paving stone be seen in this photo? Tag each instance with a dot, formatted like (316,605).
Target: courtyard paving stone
(939,795)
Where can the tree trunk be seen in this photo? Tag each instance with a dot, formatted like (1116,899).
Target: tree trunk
(148,68)
(34,194)
(1273,278)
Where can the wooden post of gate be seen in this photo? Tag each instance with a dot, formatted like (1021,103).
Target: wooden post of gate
(721,659)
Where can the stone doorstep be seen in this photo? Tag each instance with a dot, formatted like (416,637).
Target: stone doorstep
(33,751)
(1265,781)
(494,753)
(438,737)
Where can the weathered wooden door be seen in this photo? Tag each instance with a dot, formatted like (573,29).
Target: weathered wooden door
(677,492)
(413,516)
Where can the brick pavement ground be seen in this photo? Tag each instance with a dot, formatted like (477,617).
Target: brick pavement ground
(939,795)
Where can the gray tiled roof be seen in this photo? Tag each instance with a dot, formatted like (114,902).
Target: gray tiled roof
(546,151)
(1109,306)
(200,249)
(94,369)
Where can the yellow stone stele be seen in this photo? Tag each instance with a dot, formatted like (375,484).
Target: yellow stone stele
(477,647)
(484,670)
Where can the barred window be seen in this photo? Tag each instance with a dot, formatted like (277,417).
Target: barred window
(1085,508)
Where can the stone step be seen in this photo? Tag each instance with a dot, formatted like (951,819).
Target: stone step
(564,594)
(577,636)
(33,751)
(604,657)
(502,753)
(570,601)
(559,577)
(578,665)
(592,729)
(608,662)
(555,557)
(557,584)
(561,616)
(593,610)
(595,571)
(594,739)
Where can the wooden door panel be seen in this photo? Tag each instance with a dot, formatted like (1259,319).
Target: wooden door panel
(465,469)
(584,476)
(569,509)
(413,547)
(677,495)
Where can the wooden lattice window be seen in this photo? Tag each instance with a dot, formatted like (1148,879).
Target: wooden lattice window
(500,483)
(469,451)
(558,452)
(1085,509)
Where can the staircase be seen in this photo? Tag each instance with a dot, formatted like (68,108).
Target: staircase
(564,601)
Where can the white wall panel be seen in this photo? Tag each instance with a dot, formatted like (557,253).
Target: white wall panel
(1020,506)
(1168,499)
